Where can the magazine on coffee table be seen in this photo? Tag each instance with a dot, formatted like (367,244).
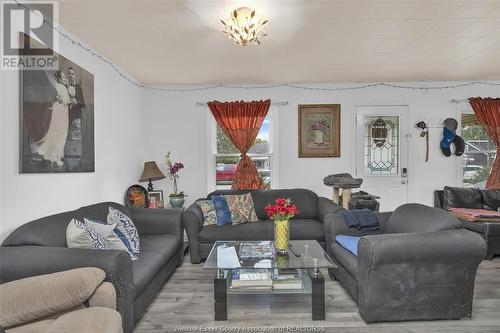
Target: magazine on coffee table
(256,250)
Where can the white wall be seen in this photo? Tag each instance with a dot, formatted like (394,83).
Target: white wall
(119,149)
(177,124)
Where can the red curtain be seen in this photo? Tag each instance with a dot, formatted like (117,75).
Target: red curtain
(241,122)
(487,111)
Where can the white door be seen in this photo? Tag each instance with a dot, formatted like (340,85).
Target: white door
(382,153)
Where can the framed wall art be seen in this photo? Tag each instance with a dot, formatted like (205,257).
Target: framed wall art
(319,130)
(57,119)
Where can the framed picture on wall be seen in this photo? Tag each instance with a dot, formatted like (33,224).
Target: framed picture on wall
(319,130)
(57,118)
(156,199)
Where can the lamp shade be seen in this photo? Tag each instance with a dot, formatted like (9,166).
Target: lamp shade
(151,172)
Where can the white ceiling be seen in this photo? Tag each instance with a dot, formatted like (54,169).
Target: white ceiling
(179,42)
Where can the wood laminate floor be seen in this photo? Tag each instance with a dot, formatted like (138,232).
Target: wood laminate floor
(185,304)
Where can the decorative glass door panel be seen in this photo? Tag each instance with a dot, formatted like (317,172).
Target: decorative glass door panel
(381,155)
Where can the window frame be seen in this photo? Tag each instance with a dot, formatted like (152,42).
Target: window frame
(462,108)
(212,150)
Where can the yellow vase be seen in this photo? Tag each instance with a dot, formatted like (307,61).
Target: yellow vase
(281,236)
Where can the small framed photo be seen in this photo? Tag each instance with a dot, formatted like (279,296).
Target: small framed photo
(319,130)
(156,199)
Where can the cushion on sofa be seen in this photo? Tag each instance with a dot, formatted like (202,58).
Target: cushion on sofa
(112,237)
(306,229)
(414,217)
(305,200)
(144,269)
(222,210)
(125,229)
(93,319)
(54,292)
(241,207)
(345,259)
(164,244)
(491,199)
(82,236)
(459,197)
(156,251)
(259,230)
(209,213)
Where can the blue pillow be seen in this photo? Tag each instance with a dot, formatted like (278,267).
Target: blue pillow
(350,243)
(222,210)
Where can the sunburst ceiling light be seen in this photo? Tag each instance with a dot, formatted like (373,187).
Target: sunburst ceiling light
(244,27)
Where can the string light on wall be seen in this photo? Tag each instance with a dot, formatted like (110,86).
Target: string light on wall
(359,86)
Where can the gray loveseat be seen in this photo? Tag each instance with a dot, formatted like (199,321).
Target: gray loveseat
(39,247)
(308,224)
(421,265)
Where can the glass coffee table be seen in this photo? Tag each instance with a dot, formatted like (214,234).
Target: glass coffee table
(235,260)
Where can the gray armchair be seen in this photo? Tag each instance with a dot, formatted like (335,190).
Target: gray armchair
(420,265)
(39,247)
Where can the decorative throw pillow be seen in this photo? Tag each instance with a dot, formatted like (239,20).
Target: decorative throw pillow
(222,210)
(79,235)
(208,209)
(112,238)
(241,207)
(125,229)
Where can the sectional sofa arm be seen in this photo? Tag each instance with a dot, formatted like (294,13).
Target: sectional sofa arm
(457,245)
(17,262)
(192,219)
(327,206)
(157,221)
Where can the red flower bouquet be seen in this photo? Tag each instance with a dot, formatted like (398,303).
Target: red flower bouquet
(282,210)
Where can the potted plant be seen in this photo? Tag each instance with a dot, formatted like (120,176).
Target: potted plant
(280,213)
(176,198)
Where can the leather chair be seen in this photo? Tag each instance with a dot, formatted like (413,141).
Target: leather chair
(460,197)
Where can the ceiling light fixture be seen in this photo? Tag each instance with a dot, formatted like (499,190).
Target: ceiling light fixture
(244,27)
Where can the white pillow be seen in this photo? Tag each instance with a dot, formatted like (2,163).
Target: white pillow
(107,231)
(79,235)
(125,229)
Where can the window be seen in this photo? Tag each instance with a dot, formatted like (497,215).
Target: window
(226,156)
(479,153)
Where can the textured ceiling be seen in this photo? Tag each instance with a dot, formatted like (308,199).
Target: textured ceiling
(179,42)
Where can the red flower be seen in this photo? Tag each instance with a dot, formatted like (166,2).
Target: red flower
(280,202)
(283,209)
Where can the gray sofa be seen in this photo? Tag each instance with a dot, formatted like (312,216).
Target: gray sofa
(460,197)
(308,224)
(39,247)
(420,265)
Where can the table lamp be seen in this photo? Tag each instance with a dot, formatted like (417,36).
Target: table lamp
(151,172)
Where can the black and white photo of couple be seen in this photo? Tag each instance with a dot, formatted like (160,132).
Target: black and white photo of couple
(57,119)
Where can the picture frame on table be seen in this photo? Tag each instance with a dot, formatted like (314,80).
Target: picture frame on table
(319,130)
(155,199)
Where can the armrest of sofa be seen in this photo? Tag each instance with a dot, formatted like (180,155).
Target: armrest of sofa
(192,219)
(17,262)
(443,246)
(325,207)
(157,221)
(104,296)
